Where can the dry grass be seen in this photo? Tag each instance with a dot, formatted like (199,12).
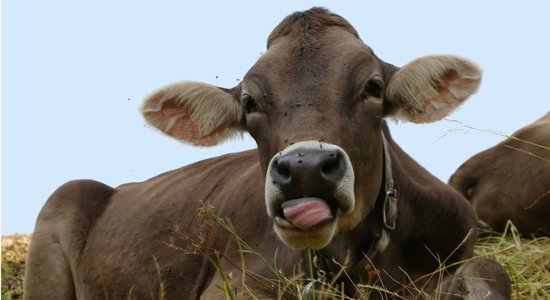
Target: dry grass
(14,252)
(526,260)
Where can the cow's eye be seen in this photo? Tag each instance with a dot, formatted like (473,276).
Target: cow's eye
(250,105)
(373,88)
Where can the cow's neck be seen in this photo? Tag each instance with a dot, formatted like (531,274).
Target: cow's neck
(355,250)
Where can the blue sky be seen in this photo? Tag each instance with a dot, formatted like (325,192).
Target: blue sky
(74,74)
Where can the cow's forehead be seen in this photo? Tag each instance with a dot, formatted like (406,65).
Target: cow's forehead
(330,58)
(330,42)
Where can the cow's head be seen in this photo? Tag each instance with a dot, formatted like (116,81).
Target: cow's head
(314,103)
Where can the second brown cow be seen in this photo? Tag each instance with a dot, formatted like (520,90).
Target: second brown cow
(511,181)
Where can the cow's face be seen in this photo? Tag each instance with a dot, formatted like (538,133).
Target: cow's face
(314,107)
(314,103)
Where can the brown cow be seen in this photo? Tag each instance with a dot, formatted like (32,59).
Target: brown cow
(511,181)
(326,169)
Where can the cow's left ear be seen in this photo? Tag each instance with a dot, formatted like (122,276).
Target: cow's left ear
(194,112)
(431,87)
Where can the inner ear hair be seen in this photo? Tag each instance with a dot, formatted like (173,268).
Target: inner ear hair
(434,85)
(192,111)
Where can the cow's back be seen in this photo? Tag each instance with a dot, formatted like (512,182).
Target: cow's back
(511,181)
(166,227)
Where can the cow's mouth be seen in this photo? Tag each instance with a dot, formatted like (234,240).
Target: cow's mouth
(305,213)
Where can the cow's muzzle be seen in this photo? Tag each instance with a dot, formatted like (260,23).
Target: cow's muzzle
(308,184)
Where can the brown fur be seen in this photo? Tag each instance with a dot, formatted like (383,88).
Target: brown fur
(511,181)
(158,237)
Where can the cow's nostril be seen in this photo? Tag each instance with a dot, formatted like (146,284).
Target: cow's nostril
(282,172)
(330,164)
(305,170)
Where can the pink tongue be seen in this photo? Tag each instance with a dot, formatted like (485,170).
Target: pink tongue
(306,213)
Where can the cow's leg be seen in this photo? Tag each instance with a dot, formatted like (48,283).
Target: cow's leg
(60,235)
(480,278)
(48,275)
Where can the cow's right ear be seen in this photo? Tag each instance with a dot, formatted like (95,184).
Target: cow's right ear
(194,112)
